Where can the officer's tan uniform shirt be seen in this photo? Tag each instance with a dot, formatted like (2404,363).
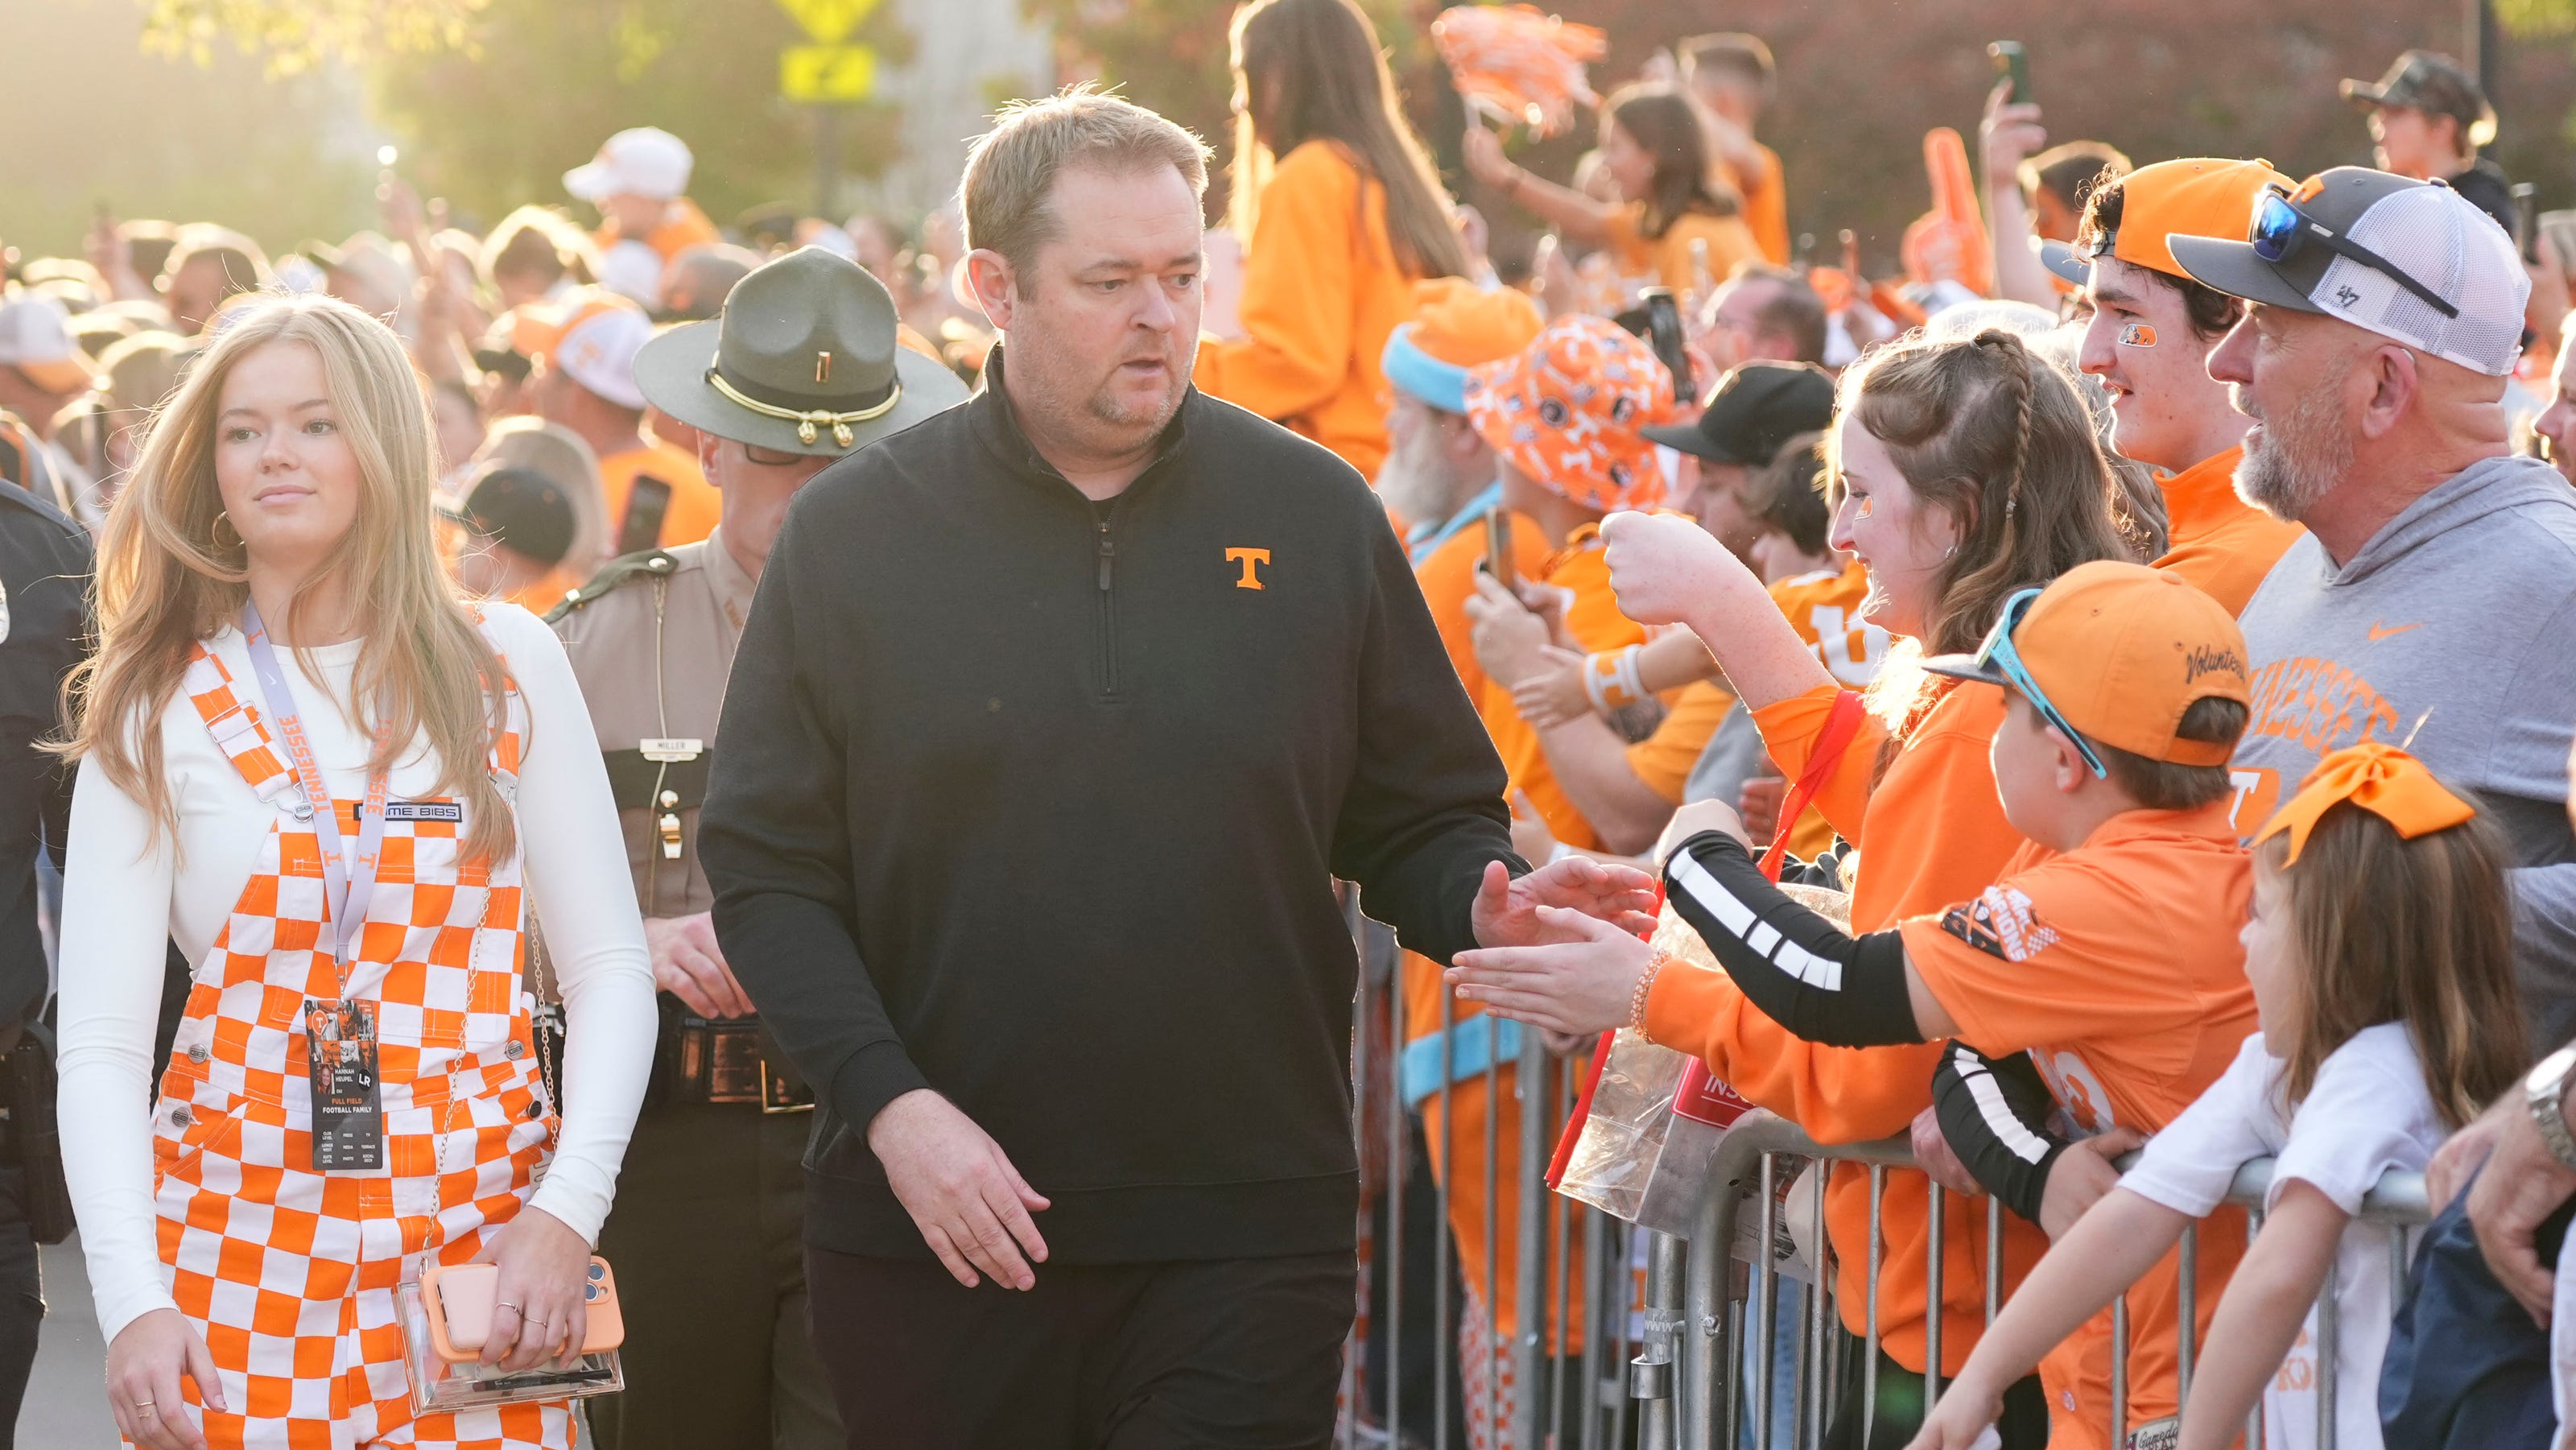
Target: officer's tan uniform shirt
(652,655)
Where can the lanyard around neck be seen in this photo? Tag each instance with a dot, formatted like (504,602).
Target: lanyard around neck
(346,886)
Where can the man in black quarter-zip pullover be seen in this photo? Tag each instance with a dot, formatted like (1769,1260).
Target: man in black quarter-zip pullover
(1054,719)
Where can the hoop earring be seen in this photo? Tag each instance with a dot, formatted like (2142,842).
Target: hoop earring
(216,533)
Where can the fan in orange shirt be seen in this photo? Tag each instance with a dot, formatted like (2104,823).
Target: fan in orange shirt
(639,182)
(1672,228)
(1629,790)
(2149,341)
(584,379)
(1929,450)
(1340,213)
(1732,77)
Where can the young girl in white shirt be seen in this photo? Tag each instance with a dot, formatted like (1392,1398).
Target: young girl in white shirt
(2381,953)
(310,763)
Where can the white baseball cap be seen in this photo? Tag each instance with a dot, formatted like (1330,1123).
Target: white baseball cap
(36,339)
(644,161)
(633,271)
(2412,261)
(597,349)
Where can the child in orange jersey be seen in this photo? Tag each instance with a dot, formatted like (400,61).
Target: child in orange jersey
(2380,949)
(2097,950)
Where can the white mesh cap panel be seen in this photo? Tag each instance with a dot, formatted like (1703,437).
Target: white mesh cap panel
(2439,238)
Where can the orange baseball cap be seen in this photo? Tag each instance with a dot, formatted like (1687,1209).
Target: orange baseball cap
(2197,196)
(2118,653)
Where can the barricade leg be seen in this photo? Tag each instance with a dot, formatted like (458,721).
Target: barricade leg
(1651,1373)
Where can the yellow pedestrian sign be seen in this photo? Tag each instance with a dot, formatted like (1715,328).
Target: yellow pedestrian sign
(827,74)
(829,22)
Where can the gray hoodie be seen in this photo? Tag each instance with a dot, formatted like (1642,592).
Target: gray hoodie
(2455,626)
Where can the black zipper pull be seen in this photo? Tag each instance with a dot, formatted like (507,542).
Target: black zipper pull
(1108,553)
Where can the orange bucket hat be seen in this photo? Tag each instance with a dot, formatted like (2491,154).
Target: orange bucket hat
(1456,326)
(1570,410)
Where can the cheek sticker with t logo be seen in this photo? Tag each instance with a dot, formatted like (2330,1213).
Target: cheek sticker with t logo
(2137,334)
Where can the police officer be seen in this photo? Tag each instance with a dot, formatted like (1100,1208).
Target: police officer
(706,1235)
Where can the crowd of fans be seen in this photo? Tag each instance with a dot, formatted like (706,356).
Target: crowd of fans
(2145,608)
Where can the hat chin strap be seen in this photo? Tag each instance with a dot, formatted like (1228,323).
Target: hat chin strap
(809,424)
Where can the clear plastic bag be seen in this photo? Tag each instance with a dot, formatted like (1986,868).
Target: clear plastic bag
(440,1387)
(1656,1115)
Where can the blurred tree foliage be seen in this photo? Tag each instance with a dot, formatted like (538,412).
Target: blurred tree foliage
(295,35)
(538,84)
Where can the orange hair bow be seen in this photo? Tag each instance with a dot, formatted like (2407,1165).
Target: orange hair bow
(2381,779)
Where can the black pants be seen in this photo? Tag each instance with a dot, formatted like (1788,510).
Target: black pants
(1242,1354)
(708,1242)
(22,1302)
(2023,1425)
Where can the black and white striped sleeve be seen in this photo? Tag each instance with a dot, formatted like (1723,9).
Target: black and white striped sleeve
(1994,1112)
(1808,975)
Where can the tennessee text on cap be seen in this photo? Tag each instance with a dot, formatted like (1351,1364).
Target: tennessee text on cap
(2123,652)
(2428,81)
(1568,410)
(2377,250)
(1755,409)
(805,358)
(1456,326)
(2198,196)
(645,161)
(596,347)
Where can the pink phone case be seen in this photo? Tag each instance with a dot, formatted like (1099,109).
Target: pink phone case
(459,1298)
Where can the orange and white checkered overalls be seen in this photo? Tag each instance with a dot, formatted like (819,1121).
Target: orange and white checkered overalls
(289,1273)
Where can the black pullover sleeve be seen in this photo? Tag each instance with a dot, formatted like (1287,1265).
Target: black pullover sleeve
(1805,973)
(1423,812)
(775,845)
(1994,1113)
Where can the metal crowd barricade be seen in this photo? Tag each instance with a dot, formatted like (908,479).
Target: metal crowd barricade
(1565,1395)
(1718,1409)
(1662,1362)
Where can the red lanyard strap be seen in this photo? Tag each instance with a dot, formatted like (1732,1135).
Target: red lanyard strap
(1840,726)
(346,886)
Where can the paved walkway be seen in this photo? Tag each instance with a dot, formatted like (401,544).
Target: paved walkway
(66,1405)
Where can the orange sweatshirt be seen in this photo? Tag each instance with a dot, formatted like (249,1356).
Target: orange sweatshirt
(1931,833)
(1766,205)
(1321,291)
(2219,541)
(1668,257)
(682,226)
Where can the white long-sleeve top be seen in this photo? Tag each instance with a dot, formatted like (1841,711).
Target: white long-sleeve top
(113,953)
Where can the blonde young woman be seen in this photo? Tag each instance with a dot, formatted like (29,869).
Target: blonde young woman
(323,774)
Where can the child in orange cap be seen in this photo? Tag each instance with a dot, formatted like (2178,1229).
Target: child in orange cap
(2106,951)
(2381,954)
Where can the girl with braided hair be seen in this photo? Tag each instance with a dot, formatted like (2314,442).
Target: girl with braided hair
(1961,473)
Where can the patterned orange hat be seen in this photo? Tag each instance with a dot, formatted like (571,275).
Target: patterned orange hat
(1568,412)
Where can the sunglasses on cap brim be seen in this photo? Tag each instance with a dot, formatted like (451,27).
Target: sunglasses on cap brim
(1997,654)
(2280,229)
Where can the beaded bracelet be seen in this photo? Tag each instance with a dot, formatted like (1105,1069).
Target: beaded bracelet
(1645,986)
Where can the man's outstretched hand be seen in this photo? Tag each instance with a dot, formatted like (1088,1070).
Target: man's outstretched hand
(1507,915)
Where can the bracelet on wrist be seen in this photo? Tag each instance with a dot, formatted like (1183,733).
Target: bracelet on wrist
(1645,989)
